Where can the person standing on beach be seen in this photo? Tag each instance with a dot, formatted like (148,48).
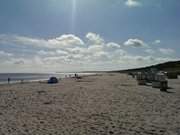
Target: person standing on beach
(9,80)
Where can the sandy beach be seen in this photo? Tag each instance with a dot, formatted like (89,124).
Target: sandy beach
(94,105)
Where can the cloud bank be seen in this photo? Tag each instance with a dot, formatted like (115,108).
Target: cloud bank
(69,52)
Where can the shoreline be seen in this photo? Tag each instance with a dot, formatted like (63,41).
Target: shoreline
(45,80)
(57,75)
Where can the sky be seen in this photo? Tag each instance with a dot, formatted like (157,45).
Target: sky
(84,35)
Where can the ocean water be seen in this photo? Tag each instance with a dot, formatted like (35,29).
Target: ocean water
(18,77)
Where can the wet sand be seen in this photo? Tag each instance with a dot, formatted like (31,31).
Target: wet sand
(103,104)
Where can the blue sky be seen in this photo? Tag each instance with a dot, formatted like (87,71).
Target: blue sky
(68,35)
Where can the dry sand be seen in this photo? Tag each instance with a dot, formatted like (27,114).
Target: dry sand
(104,104)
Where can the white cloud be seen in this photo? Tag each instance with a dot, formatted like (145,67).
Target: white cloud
(157,41)
(150,51)
(22,41)
(167,51)
(61,52)
(65,41)
(59,42)
(77,50)
(95,48)
(135,43)
(113,46)
(133,3)
(19,62)
(5,54)
(101,56)
(95,39)
(44,53)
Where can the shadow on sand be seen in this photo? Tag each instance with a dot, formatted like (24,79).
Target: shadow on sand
(169,92)
(166,91)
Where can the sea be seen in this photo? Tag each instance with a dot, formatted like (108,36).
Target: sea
(30,77)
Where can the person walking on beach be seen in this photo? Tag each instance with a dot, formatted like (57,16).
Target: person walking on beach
(9,80)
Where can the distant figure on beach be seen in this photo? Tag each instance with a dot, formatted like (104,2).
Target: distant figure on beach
(22,81)
(77,76)
(9,80)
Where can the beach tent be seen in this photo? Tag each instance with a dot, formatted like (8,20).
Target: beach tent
(53,80)
(160,82)
(141,78)
(172,75)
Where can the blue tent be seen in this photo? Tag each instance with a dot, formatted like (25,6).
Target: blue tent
(53,80)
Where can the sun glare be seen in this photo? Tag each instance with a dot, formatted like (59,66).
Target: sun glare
(73,15)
